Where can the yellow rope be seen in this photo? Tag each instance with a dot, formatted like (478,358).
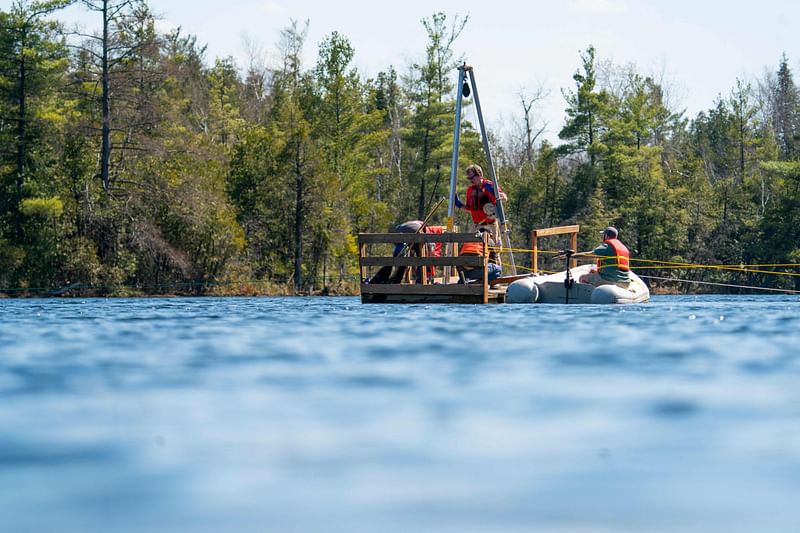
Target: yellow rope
(788,291)
(663,265)
(719,267)
(525,250)
(740,265)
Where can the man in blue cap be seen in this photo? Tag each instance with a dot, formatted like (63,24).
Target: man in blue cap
(613,261)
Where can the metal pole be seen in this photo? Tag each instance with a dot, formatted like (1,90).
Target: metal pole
(451,203)
(500,210)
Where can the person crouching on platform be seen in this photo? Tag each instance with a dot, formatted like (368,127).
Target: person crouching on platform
(431,250)
(476,274)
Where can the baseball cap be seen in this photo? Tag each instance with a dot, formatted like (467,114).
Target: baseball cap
(611,231)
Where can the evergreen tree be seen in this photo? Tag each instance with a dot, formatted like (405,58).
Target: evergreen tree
(585,111)
(224,119)
(429,136)
(299,160)
(106,52)
(780,228)
(33,64)
(786,112)
(583,129)
(33,61)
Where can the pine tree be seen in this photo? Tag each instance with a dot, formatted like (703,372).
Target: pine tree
(430,130)
(299,160)
(583,129)
(786,112)
(585,110)
(33,61)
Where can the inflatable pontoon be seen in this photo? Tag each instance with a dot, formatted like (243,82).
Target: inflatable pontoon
(552,289)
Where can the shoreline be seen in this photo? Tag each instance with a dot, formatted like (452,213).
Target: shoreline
(294,294)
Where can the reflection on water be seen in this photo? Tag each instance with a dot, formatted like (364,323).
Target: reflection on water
(321,414)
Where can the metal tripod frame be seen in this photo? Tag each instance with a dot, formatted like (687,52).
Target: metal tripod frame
(505,232)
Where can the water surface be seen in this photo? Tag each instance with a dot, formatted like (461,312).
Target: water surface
(323,414)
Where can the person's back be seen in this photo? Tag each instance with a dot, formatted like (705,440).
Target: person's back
(475,274)
(613,263)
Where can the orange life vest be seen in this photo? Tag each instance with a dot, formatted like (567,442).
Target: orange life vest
(434,249)
(471,248)
(620,259)
(477,197)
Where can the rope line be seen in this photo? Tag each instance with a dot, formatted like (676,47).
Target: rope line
(663,265)
(787,291)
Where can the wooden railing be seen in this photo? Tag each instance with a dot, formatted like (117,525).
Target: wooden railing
(546,232)
(423,288)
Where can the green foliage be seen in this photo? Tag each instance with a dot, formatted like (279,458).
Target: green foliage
(45,208)
(785,103)
(80,262)
(33,60)
(11,259)
(586,107)
(429,134)
(220,175)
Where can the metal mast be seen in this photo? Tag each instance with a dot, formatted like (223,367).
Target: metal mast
(505,232)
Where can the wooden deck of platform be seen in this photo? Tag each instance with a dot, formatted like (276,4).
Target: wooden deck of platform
(421,287)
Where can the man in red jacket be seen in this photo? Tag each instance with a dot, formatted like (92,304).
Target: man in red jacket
(480,194)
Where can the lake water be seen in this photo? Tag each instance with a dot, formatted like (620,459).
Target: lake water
(323,414)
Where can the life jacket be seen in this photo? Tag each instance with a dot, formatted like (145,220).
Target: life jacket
(476,248)
(471,248)
(477,197)
(436,250)
(433,249)
(620,259)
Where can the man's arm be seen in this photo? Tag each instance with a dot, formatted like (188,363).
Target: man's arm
(599,251)
(489,189)
(576,254)
(583,254)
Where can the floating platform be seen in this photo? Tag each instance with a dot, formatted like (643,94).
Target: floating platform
(429,273)
(422,276)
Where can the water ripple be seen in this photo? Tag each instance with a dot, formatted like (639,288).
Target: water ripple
(307,412)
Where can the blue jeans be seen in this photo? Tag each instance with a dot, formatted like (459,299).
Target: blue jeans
(477,273)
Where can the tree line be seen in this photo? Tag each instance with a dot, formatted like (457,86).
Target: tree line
(130,163)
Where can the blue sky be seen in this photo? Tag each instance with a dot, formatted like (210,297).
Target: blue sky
(699,47)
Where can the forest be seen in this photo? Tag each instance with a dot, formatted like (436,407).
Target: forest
(131,163)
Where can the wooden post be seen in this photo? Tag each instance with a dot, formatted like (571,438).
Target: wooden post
(545,232)
(574,242)
(485,268)
(423,252)
(362,252)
